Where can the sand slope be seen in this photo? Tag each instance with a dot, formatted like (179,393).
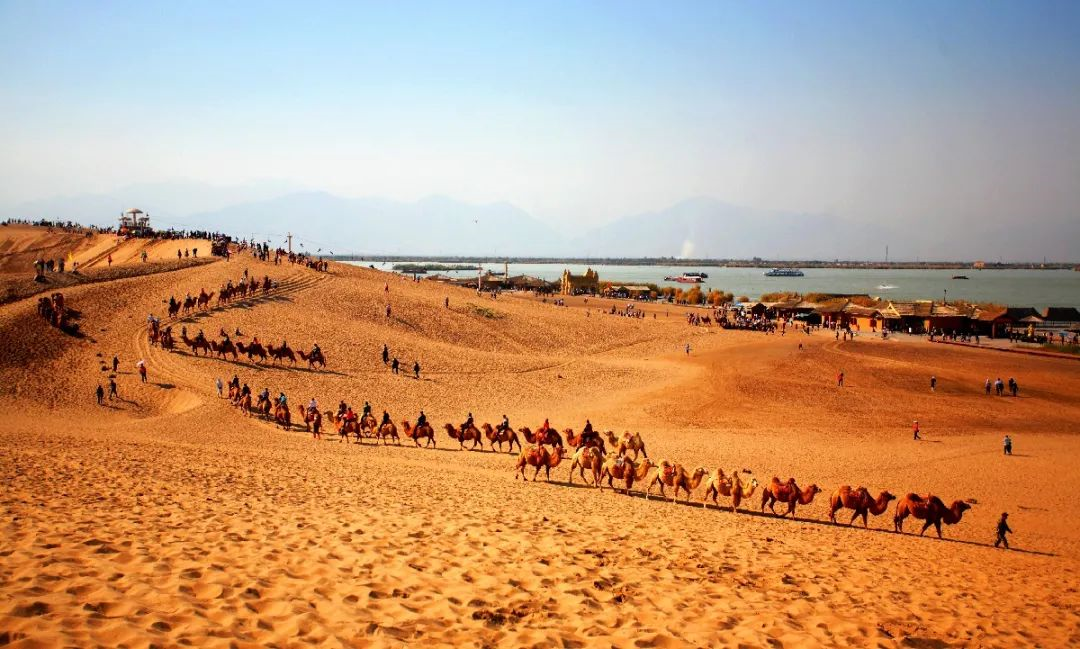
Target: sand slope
(168,518)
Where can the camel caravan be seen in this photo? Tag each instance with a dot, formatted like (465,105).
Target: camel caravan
(225,294)
(619,462)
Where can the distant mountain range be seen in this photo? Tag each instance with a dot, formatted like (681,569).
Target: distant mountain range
(699,227)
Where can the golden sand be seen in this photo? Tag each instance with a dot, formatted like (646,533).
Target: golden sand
(168,518)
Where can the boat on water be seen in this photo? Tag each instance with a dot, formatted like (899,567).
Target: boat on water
(784,272)
(960,277)
(885,287)
(687,278)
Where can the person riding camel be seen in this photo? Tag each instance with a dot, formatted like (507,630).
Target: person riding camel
(385,418)
(264,395)
(237,332)
(547,425)
(245,391)
(315,351)
(342,408)
(312,406)
(284,344)
(282,399)
(588,428)
(367,409)
(505,425)
(421,420)
(200,336)
(349,416)
(467,424)
(235,382)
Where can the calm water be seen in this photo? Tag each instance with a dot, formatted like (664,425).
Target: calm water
(1037,288)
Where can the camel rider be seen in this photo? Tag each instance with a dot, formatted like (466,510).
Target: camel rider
(505,425)
(342,408)
(349,416)
(467,424)
(284,344)
(315,351)
(200,336)
(264,395)
(245,391)
(282,400)
(312,406)
(385,418)
(235,382)
(254,340)
(547,425)
(588,428)
(421,420)
(367,409)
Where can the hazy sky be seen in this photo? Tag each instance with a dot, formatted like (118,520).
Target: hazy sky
(578,112)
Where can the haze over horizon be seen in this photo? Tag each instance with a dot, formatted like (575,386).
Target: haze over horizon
(717,129)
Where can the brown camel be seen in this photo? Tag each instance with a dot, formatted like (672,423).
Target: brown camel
(204,299)
(263,407)
(538,457)
(343,427)
(253,350)
(421,431)
(787,492)
(587,457)
(733,487)
(196,344)
(281,353)
(674,475)
(929,508)
(500,437)
(620,467)
(585,439)
(388,431)
(221,350)
(628,442)
(548,436)
(313,359)
(861,501)
(472,433)
(282,416)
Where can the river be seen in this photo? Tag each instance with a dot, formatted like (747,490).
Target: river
(1012,287)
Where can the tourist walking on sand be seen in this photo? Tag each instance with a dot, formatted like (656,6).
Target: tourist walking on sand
(446,302)
(1013,387)
(395,365)
(915,430)
(100,394)
(1003,529)
(416,370)
(112,389)
(687,349)
(999,387)
(142,369)
(385,354)
(933,383)
(1007,445)
(109,259)
(840,379)
(219,386)
(115,362)
(988,383)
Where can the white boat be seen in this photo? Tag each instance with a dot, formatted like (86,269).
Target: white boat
(885,287)
(784,272)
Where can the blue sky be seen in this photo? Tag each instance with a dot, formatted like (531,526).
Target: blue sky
(578,112)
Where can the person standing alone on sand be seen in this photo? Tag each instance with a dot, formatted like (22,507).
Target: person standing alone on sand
(1003,529)
(142,369)
(840,379)
(687,349)
(1007,445)
(416,370)
(915,430)
(219,386)
(115,363)
(933,383)
(100,394)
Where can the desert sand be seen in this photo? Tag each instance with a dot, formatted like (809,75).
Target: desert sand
(168,518)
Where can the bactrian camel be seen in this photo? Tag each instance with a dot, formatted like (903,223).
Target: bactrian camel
(859,500)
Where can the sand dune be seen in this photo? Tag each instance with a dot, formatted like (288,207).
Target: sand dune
(168,518)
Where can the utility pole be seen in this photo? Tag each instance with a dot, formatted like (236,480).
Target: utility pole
(886,254)
(288,236)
